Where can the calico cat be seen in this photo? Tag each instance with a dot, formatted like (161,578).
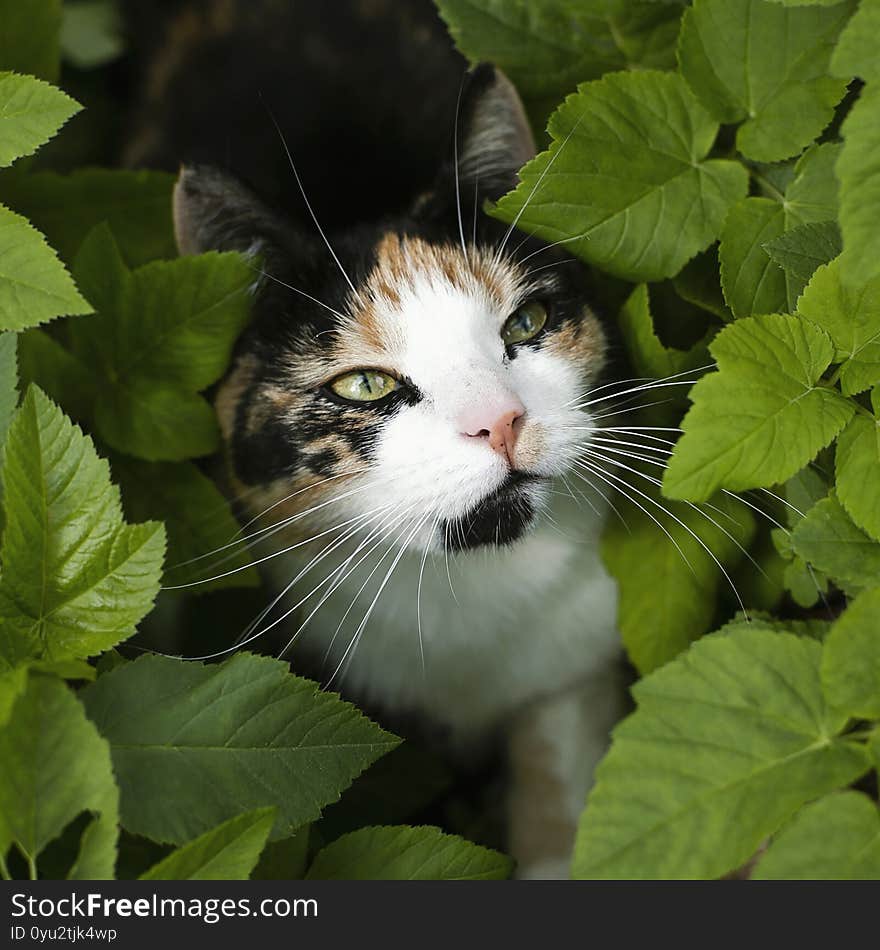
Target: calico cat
(403,409)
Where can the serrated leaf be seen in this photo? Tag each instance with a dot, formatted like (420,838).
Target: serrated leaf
(649,356)
(31,112)
(29,38)
(753,284)
(197,518)
(228,738)
(228,852)
(858,169)
(814,194)
(76,579)
(851,316)
(851,662)
(628,151)
(55,767)
(765,66)
(668,585)
(547,47)
(34,286)
(726,743)
(66,208)
(761,417)
(857,463)
(834,839)
(91,33)
(827,539)
(162,333)
(401,853)
(856,50)
(801,250)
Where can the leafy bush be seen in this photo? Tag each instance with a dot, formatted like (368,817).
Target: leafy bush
(717,168)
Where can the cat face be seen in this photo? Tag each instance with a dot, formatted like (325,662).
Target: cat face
(420,379)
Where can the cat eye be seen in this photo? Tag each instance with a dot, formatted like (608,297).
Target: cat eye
(364,385)
(525,323)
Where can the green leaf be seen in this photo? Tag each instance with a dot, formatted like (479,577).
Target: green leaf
(286,859)
(761,417)
(55,767)
(857,465)
(227,738)
(851,316)
(668,586)
(547,47)
(834,839)
(91,33)
(813,195)
(197,518)
(29,37)
(228,852)
(650,358)
(828,540)
(851,663)
(858,169)
(628,151)
(76,579)
(66,208)
(34,286)
(8,386)
(753,284)
(726,743)
(162,333)
(856,50)
(800,251)
(765,66)
(31,112)
(44,362)
(698,283)
(401,853)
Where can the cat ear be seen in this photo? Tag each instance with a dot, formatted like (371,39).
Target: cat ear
(495,139)
(213,211)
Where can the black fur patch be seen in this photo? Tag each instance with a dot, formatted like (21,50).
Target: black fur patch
(500,518)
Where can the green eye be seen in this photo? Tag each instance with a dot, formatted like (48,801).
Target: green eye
(525,323)
(364,385)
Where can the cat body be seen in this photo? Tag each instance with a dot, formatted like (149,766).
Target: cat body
(405,408)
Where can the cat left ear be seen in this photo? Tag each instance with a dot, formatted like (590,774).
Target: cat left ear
(495,139)
(215,212)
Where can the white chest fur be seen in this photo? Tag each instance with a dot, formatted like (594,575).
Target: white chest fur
(501,628)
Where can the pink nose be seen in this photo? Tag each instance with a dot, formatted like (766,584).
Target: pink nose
(500,425)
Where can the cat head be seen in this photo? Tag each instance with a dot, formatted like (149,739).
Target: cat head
(421,375)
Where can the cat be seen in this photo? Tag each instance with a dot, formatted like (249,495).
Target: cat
(402,412)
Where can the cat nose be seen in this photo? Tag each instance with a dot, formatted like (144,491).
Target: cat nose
(500,425)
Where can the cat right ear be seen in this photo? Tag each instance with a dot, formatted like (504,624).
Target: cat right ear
(213,211)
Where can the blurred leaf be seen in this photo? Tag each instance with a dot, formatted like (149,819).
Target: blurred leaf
(856,50)
(91,33)
(29,37)
(800,251)
(858,468)
(66,208)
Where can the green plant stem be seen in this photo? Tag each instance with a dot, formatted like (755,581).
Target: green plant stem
(771,190)
(4,869)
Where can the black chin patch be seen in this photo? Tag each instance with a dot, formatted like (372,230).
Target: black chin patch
(500,518)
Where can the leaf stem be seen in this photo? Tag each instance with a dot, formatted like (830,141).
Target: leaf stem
(771,190)
(4,869)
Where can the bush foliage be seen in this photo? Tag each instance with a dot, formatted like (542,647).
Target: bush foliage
(716,165)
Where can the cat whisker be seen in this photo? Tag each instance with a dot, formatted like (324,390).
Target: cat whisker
(456,169)
(308,204)
(296,290)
